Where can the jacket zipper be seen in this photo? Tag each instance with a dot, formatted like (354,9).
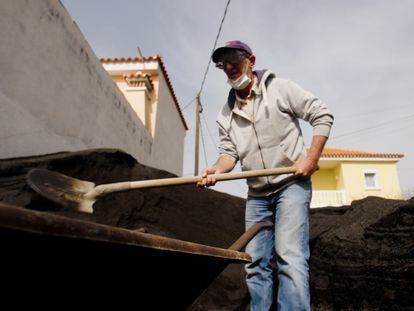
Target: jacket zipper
(260,151)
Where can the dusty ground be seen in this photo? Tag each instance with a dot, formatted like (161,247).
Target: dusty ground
(362,255)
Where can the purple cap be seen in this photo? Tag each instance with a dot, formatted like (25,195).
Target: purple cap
(237,45)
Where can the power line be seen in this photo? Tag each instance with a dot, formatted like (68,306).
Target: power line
(371,112)
(188,104)
(380,134)
(388,128)
(215,44)
(204,146)
(198,124)
(209,132)
(400,127)
(371,127)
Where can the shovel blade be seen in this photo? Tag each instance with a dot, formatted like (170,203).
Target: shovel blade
(61,189)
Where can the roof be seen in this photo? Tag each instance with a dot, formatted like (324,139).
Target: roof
(346,153)
(139,78)
(157,58)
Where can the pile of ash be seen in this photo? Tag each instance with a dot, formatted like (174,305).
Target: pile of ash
(362,255)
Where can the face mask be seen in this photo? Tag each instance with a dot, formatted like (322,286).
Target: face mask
(241,82)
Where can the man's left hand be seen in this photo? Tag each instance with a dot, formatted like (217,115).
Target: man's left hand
(306,167)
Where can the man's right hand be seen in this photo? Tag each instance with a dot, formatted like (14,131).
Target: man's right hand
(224,164)
(208,180)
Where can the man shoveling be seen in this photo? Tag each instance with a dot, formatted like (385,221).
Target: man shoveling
(259,126)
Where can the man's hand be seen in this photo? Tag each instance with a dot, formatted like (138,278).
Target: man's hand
(224,164)
(306,167)
(208,179)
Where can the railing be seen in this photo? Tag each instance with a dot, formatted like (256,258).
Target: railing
(321,198)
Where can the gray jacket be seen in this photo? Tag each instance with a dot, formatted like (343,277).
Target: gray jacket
(272,138)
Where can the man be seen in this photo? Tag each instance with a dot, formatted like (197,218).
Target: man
(259,127)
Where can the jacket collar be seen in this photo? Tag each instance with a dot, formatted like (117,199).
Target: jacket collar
(262,77)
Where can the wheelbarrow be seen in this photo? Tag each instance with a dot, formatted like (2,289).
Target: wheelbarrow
(89,264)
(54,262)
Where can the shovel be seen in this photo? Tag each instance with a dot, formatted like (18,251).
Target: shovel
(80,195)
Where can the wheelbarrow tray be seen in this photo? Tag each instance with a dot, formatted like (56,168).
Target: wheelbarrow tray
(84,263)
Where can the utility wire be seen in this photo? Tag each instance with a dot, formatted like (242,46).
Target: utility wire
(204,146)
(188,104)
(215,44)
(204,80)
(371,112)
(382,133)
(371,127)
(209,132)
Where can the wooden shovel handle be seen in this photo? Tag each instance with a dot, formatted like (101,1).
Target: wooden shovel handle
(123,186)
(254,173)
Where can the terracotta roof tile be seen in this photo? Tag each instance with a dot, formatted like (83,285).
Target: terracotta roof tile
(346,153)
(137,74)
(138,79)
(157,58)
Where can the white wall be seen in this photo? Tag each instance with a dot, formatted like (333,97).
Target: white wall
(168,147)
(54,93)
(169,133)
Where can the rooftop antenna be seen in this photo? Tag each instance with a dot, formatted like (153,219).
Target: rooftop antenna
(142,56)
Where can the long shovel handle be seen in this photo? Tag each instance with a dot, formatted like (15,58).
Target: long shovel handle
(123,186)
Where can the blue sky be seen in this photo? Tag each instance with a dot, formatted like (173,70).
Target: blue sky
(357,56)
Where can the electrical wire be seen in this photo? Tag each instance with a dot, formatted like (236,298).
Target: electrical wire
(344,118)
(214,47)
(188,104)
(209,132)
(204,80)
(204,146)
(371,128)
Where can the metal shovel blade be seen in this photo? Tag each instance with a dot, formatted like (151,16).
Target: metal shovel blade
(61,189)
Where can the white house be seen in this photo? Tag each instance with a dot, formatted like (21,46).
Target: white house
(147,87)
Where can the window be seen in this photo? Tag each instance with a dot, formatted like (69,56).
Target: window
(371,179)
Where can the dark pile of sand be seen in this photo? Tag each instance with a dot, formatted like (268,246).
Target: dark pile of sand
(362,255)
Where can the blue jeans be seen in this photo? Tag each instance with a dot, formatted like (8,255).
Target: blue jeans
(288,209)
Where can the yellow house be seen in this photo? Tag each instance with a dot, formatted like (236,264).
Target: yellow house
(347,175)
(145,83)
